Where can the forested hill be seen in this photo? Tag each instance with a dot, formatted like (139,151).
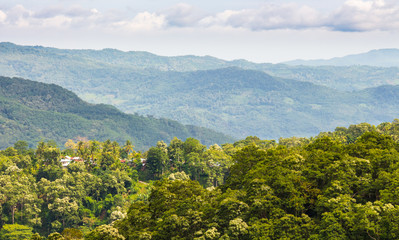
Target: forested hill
(239,98)
(33,111)
(247,102)
(81,70)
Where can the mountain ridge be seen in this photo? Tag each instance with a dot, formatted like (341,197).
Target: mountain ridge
(388,57)
(64,67)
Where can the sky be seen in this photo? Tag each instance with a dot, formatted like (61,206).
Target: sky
(255,30)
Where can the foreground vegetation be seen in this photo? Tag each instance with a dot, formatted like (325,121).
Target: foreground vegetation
(338,185)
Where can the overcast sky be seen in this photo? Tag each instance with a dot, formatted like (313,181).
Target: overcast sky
(256,30)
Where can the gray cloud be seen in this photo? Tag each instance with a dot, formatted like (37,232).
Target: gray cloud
(183,15)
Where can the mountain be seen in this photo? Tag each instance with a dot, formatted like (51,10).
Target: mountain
(379,58)
(85,71)
(32,111)
(247,102)
(238,97)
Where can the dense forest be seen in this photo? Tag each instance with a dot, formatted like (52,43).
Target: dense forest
(337,185)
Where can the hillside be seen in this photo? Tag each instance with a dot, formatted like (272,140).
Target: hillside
(85,71)
(379,58)
(246,102)
(32,111)
(239,98)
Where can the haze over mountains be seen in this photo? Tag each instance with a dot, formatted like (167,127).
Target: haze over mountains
(65,67)
(239,98)
(379,58)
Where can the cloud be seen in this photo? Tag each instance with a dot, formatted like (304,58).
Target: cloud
(268,17)
(18,16)
(182,15)
(357,15)
(353,15)
(77,17)
(142,21)
(74,12)
(3,17)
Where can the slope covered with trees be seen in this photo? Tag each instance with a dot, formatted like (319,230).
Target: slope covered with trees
(213,93)
(33,111)
(337,185)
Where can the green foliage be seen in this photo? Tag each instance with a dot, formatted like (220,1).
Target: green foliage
(34,111)
(35,236)
(15,232)
(55,236)
(104,232)
(44,196)
(328,188)
(156,161)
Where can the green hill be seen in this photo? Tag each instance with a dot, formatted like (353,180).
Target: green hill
(239,98)
(84,71)
(32,111)
(246,102)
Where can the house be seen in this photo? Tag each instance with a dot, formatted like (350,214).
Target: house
(67,160)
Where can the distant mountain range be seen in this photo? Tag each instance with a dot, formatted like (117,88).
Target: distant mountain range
(33,111)
(379,58)
(80,70)
(239,98)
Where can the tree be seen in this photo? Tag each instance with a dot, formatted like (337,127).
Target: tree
(10,151)
(72,234)
(83,150)
(94,149)
(66,209)
(128,149)
(17,192)
(156,161)
(35,236)
(104,232)
(193,145)
(243,161)
(51,156)
(55,236)
(175,153)
(21,147)
(15,232)
(137,222)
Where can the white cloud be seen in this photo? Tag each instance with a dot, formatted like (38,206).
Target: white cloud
(357,15)
(18,16)
(56,21)
(353,15)
(268,17)
(142,21)
(3,17)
